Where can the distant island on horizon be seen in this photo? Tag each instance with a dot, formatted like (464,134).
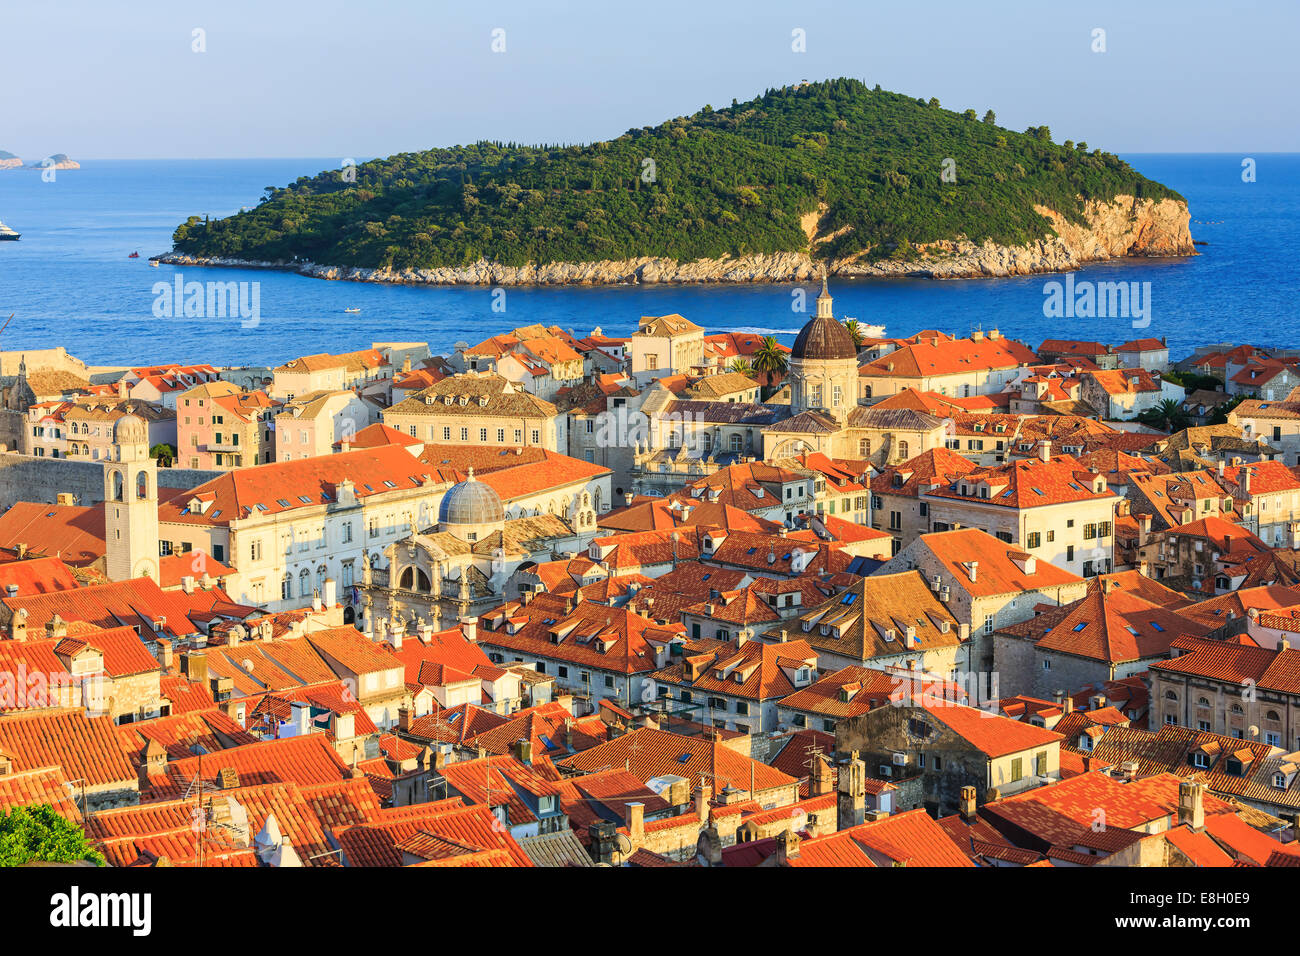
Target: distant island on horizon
(821,177)
(55,161)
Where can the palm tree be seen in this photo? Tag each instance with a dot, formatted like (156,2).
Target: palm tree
(855,332)
(742,366)
(770,357)
(1168,415)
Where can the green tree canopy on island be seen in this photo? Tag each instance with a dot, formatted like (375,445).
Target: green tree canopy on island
(39,834)
(734,181)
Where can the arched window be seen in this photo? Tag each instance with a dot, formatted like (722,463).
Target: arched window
(304,583)
(117,486)
(1236,709)
(1203,702)
(1272,715)
(1170,695)
(142,485)
(286,588)
(321,573)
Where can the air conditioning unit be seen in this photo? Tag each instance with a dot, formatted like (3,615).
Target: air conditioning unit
(900,760)
(885,770)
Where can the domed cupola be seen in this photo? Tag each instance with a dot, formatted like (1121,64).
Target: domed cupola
(470,510)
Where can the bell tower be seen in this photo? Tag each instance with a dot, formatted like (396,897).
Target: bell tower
(131,503)
(824,301)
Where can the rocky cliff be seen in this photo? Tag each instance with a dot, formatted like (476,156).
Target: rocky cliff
(1122,227)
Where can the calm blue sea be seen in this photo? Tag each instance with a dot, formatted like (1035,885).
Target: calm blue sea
(69,281)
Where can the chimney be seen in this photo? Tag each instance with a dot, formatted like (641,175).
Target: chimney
(636,821)
(404,718)
(972,569)
(315,600)
(852,801)
(469,627)
(1245,479)
(154,762)
(163,652)
(1096,701)
(194,665)
(11,590)
(395,638)
(18,626)
(1067,705)
(331,596)
(1191,804)
(967,805)
(524,751)
(822,781)
(1045,449)
(1144,529)
(1130,770)
(787,845)
(703,793)
(187,584)
(56,627)
(1221,467)
(22,550)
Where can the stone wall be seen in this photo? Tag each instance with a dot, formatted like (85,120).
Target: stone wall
(23,478)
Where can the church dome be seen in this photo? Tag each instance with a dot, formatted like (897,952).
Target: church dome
(471,503)
(824,338)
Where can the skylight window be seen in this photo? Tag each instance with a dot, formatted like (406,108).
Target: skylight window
(282,502)
(1081,625)
(683,758)
(1156,626)
(304,499)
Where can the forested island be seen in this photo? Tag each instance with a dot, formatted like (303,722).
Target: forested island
(833,173)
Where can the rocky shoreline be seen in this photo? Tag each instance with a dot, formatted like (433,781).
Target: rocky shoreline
(1123,227)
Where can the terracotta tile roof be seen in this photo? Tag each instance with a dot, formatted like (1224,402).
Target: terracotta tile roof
(990,733)
(551,729)
(174,568)
(474,828)
(663,514)
(847,692)
(951,357)
(1117,627)
(36,576)
(552,471)
(278,487)
(302,760)
(1027,483)
(74,533)
(1001,568)
(1268,669)
(649,753)
(179,734)
(937,466)
(454,725)
(84,747)
(588,634)
(42,785)
(872,619)
(909,839)
(753,670)
(170,827)
(185,695)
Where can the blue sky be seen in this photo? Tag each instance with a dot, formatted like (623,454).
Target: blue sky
(342,77)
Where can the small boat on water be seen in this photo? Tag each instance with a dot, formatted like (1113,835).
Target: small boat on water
(351,310)
(7,233)
(134,255)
